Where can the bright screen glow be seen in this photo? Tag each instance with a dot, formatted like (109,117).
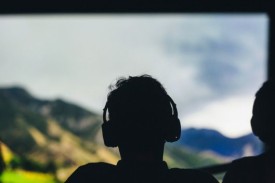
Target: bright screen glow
(210,64)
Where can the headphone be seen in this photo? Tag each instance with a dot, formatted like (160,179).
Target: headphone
(171,129)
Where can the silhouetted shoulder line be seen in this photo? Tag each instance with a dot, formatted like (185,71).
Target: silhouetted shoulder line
(192,175)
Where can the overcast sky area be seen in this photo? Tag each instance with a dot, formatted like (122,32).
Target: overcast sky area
(211,65)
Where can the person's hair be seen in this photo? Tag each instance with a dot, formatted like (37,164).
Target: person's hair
(263,120)
(139,105)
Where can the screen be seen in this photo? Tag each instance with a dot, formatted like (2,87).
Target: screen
(55,71)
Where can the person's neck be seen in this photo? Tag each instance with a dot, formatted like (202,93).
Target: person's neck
(144,164)
(144,155)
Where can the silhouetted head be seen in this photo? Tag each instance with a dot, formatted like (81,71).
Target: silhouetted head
(263,119)
(140,114)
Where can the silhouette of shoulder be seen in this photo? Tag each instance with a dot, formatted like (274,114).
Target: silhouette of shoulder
(91,171)
(104,172)
(247,169)
(191,175)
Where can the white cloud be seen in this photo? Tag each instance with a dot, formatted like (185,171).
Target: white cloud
(230,116)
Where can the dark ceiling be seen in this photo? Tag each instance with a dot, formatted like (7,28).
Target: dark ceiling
(133,6)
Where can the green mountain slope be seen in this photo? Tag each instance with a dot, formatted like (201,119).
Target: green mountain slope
(50,131)
(57,136)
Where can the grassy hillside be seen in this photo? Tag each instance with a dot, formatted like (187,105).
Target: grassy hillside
(20,176)
(48,136)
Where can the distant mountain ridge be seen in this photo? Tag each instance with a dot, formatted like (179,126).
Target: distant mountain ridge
(212,140)
(70,116)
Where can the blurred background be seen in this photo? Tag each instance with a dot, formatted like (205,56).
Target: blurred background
(55,71)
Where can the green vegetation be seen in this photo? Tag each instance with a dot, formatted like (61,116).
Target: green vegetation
(2,163)
(31,165)
(20,176)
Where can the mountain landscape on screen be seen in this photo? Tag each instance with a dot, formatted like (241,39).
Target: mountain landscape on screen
(53,137)
(212,140)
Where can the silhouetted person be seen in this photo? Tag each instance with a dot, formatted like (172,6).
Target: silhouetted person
(142,117)
(259,169)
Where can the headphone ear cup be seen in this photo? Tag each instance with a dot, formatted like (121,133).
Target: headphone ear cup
(109,133)
(173,130)
(256,128)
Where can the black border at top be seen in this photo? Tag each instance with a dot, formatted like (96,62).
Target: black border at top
(134,6)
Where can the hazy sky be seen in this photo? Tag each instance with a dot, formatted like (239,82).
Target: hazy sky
(210,65)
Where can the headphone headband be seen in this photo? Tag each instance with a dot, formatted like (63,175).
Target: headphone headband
(174,106)
(172,103)
(104,112)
